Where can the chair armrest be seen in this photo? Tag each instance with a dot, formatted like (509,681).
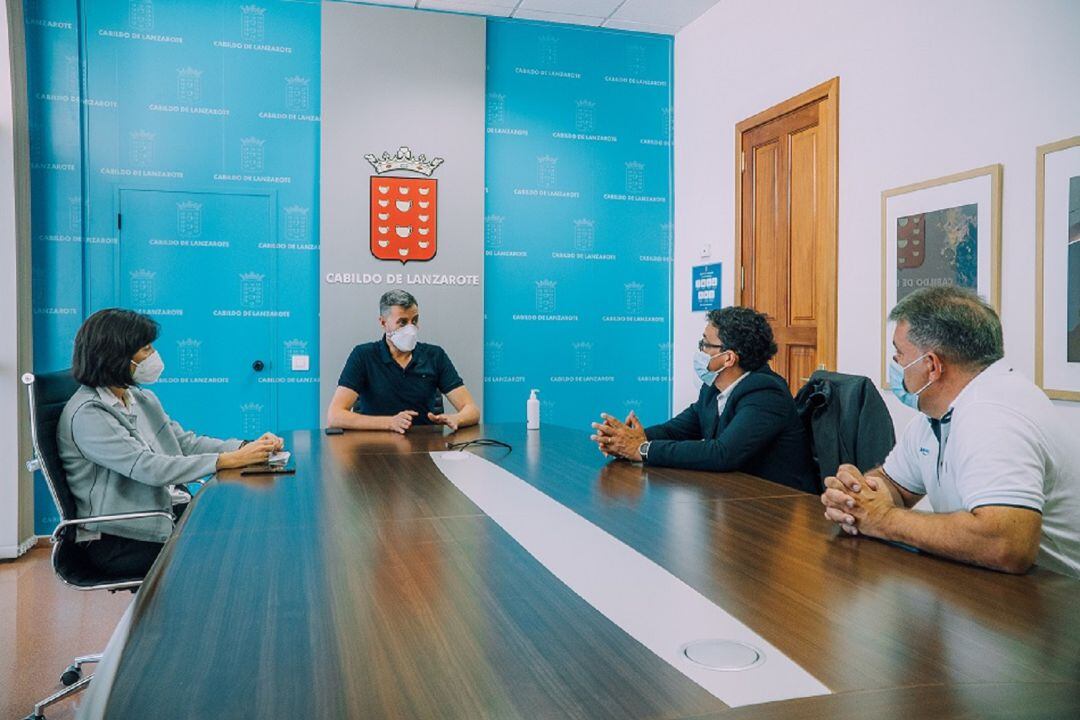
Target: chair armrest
(111,518)
(187,489)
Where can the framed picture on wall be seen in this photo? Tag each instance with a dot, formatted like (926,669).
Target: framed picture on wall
(945,231)
(1057,271)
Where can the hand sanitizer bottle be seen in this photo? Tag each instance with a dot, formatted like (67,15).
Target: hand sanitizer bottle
(532,412)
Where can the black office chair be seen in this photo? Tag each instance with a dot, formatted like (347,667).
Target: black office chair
(47,395)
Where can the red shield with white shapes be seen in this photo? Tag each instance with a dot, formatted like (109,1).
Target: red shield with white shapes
(910,242)
(403,212)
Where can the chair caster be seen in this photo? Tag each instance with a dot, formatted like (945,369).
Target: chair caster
(71,676)
(32,716)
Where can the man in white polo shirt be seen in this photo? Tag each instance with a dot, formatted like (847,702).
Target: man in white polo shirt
(1002,470)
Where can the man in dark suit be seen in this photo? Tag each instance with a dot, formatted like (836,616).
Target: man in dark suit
(744,418)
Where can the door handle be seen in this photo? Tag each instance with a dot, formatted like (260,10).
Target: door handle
(258,366)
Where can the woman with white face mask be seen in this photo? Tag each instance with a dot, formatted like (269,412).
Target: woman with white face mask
(121,452)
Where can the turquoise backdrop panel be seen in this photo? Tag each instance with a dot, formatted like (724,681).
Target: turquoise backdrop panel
(578,223)
(174,150)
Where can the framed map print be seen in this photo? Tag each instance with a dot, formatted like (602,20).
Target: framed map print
(945,231)
(1057,271)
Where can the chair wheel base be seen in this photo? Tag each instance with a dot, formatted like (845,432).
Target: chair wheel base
(71,676)
(32,716)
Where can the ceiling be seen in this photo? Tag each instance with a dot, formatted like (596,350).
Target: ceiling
(655,16)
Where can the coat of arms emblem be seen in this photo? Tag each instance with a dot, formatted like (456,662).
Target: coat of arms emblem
(403,209)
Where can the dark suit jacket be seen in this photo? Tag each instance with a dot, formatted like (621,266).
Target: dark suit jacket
(759,433)
(847,420)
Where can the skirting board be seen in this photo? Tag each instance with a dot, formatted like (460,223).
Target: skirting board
(10,552)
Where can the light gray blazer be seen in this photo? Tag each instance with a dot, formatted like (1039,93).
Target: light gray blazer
(118,462)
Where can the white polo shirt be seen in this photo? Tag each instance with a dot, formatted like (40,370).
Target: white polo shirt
(1003,444)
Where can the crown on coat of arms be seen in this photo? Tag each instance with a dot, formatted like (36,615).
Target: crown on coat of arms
(403,160)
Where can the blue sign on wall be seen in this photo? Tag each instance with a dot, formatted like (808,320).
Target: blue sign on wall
(578,223)
(705,287)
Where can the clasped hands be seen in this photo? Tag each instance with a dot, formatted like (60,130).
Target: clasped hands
(619,439)
(858,503)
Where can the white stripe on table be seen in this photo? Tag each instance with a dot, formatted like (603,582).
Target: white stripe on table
(650,604)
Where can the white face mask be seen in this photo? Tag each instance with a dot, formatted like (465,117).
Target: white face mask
(899,385)
(405,338)
(702,360)
(149,370)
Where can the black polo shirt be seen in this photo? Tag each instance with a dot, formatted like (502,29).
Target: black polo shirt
(386,388)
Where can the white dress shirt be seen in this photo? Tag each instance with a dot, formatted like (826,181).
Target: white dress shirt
(722,398)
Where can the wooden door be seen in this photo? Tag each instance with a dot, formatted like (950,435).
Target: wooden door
(786,160)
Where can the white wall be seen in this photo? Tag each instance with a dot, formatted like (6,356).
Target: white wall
(927,88)
(16,500)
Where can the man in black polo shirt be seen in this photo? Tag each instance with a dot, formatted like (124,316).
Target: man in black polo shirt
(397,382)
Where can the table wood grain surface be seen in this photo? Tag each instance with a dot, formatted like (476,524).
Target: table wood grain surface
(367,586)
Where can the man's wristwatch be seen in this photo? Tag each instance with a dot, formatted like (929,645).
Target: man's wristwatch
(643,450)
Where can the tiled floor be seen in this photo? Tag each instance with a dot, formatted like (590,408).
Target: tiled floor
(44,624)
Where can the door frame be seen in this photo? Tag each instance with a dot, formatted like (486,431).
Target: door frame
(828,94)
(241,190)
(270,193)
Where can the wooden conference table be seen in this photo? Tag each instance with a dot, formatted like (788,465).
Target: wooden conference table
(368,586)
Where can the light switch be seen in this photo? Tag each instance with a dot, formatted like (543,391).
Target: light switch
(301,363)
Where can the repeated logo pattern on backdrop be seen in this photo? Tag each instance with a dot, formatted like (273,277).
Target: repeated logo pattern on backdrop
(200,123)
(578,223)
